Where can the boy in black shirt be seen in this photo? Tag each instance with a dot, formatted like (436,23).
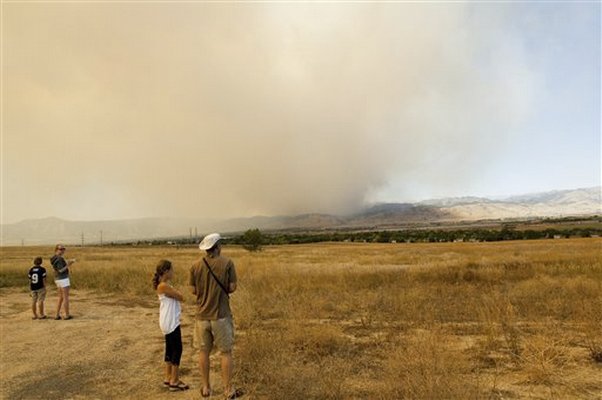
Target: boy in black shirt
(37,284)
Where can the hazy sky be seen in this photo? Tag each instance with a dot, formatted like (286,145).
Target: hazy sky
(124,110)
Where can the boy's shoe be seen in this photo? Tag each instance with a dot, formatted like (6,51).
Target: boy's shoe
(43,317)
(57,317)
(68,317)
(34,317)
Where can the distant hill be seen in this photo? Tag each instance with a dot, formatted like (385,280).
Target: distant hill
(380,216)
(546,204)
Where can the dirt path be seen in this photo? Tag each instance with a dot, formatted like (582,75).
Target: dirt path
(113,348)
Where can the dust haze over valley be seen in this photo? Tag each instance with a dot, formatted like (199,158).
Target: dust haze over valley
(116,111)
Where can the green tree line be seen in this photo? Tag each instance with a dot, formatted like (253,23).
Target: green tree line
(411,236)
(254,239)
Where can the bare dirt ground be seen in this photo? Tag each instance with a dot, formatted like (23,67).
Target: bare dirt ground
(112,349)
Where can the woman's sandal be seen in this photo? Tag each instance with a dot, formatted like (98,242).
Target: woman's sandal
(166,384)
(178,386)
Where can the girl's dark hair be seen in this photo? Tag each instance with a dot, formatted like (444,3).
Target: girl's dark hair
(162,267)
(37,261)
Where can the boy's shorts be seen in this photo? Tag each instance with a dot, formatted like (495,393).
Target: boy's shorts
(38,295)
(219,332)
(63,283)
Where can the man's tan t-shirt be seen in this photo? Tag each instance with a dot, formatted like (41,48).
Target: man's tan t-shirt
(212,302)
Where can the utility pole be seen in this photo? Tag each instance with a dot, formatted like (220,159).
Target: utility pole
(196,235)
(100,238)
(22,243)
(82,239)
(190,231)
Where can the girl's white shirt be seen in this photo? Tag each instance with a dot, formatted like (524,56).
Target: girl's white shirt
(169,314)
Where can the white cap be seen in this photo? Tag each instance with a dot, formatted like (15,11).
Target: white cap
(209,241)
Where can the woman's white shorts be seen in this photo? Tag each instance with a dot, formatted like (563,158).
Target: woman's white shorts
(63,283)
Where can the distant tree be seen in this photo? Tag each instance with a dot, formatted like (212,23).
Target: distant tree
(383,237)
(252,240)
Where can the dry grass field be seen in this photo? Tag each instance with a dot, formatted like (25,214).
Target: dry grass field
(505,320)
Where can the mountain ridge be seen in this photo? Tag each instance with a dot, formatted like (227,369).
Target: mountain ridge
(583,201)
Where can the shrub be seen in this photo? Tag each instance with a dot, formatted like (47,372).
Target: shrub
(252,240)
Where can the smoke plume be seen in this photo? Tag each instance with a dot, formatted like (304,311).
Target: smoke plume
(128,110)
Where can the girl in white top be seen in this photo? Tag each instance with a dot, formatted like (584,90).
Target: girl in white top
(169,322)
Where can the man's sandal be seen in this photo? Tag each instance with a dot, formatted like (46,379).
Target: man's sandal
(166,384)
(178,386)
(235,394)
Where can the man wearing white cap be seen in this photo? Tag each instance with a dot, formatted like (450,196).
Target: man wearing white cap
(212,279)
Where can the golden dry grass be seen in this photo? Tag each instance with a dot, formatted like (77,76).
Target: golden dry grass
(390,321)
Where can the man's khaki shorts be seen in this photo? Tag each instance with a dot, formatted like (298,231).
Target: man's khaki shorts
(38,295)
(219,332)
